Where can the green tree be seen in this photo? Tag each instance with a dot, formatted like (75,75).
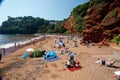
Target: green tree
(28,25)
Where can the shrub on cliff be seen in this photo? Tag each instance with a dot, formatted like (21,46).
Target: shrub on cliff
(94,2)
(116,39)
(78,15)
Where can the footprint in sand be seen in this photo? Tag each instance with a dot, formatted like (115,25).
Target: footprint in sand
(54,65)
(54,76)
(46,71)
(61,69)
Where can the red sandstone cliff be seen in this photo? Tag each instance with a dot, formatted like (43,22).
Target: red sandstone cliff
(69,24)
(102,21)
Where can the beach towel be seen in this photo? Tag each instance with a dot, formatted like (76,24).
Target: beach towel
(25,55)
(51,56)
(74,68)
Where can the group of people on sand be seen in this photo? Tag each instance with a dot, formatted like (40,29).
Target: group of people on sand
(71,62)
(64,49)
(71,40)
(109,63)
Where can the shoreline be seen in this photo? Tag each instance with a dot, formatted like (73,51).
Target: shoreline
(16,45)
(11,47)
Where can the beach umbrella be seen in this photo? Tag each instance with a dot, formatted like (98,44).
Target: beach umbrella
(30,50)
(117,73)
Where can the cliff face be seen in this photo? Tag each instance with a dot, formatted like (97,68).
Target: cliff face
(75,23)
(101,19)
(70,24)
(102,22)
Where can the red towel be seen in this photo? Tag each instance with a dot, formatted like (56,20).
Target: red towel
(74,68)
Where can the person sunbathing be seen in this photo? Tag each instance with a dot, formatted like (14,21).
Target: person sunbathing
(110,63)
(100,61)
(106,63)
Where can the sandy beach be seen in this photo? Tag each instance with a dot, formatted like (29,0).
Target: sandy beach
(16,68)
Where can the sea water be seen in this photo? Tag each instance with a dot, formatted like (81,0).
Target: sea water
(7,41)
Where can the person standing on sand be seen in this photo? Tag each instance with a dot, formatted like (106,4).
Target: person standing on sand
(60,43)
(0,57)
(72,55)
(3,51)
(15,45)
(75,43)
(33,42)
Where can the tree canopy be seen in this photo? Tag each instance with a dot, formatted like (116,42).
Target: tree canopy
(30,25)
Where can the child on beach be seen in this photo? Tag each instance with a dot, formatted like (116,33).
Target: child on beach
(68,64)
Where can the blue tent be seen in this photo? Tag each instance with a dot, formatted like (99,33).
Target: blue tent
(51,56)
